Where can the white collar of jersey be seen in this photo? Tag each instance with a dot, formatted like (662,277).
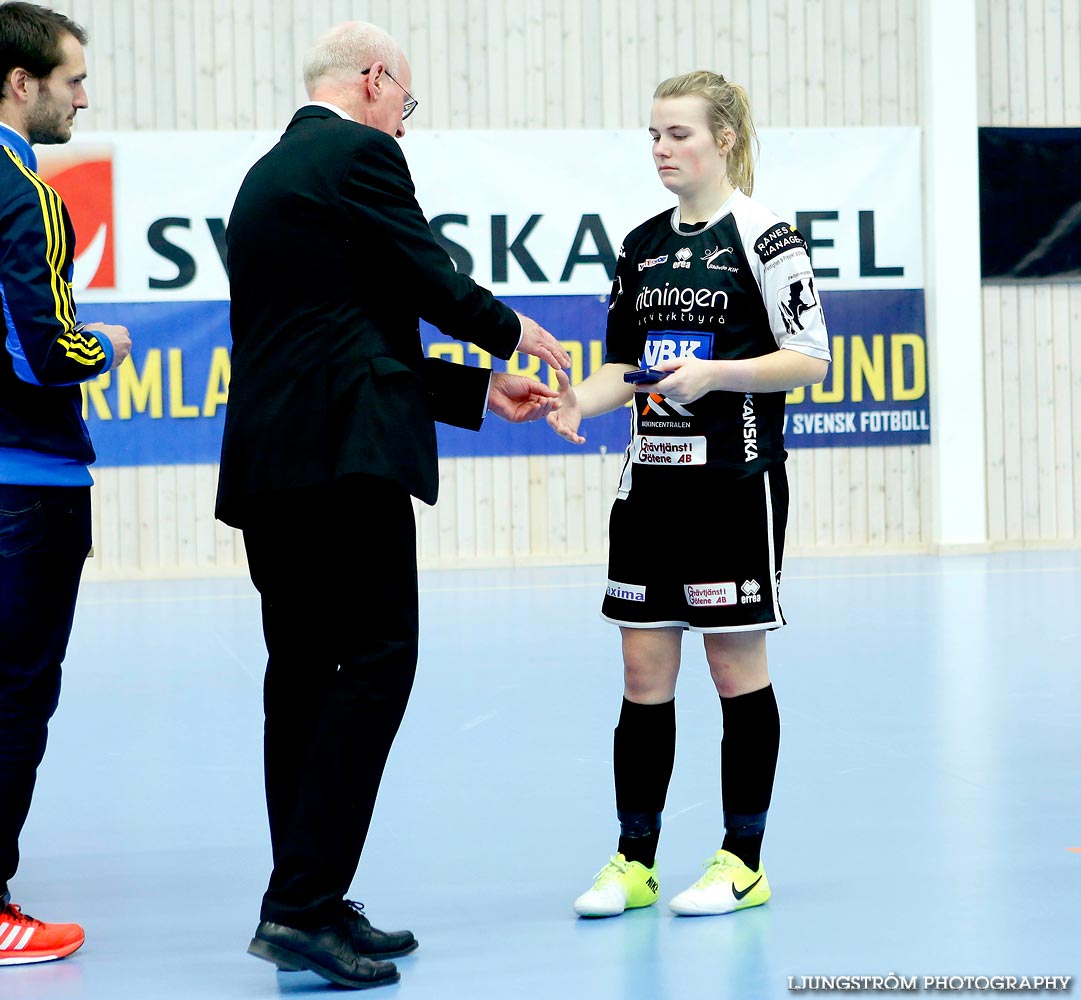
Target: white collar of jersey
(715,218)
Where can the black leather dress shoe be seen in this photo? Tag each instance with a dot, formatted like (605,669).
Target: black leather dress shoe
(372,942)
(326,951)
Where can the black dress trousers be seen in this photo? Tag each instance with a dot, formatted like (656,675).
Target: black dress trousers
(336,569)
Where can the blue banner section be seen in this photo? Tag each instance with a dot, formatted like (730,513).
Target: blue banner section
(167,407)
(876,392)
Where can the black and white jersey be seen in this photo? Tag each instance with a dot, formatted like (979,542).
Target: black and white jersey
(740,286)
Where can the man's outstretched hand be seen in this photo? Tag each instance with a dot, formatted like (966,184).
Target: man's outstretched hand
(539,343)
(519,400)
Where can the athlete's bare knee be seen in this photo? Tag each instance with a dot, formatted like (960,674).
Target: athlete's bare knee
(737,665)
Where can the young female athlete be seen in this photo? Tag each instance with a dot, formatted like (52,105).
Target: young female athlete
(719,294)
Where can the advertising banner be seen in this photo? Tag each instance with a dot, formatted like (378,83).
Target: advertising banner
(536,216)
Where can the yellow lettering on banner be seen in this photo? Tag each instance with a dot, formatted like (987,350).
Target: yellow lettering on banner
(217,383)
(596,355)
(531,367)
(484,359)
(452,352)
(577,373)
(871,368)
(796,395)
(819,392)
(94,392)
(177,406)
(139,392)
(899,342)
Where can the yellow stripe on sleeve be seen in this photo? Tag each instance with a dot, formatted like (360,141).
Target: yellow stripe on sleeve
(52,217)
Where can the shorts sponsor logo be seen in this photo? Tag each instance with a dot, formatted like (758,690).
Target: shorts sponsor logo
(652,262)
(715,595)
(625,591)
(751,592)
(683,258)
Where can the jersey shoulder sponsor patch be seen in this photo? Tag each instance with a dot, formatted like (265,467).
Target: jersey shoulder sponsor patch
(777,240)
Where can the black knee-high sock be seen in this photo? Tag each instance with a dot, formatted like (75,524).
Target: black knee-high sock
(752,737)
(644,749)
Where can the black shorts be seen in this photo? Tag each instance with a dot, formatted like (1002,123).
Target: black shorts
(700,552)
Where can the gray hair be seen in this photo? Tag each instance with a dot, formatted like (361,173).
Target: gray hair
(346,49)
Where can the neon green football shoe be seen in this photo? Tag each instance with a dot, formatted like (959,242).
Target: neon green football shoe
(727,885)
(620,885)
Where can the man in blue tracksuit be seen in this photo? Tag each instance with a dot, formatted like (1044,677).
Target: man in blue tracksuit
(44,446)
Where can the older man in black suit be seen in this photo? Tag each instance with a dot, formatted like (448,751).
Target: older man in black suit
(328,433)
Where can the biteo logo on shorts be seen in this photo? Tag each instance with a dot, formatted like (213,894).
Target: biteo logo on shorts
(751,593)
(683,258)
(625,591)
(704,595)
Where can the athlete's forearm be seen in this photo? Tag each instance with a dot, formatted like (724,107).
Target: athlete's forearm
(604,390)
(780,371)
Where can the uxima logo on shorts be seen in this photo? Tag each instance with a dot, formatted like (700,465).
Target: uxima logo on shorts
(83,177)
(626,591)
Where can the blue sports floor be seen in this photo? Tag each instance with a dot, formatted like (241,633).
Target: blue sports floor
(926,820)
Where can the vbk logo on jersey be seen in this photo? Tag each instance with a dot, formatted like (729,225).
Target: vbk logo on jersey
(83,177)
(666,345)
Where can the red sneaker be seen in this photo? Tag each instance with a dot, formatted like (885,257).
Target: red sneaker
(24,940)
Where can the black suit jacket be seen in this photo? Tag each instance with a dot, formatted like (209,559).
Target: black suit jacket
(331,265)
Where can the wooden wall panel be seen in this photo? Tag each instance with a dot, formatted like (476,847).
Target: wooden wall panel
(235,64)
(1033,352)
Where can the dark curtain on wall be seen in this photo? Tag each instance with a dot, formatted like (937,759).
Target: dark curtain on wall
(1030,204)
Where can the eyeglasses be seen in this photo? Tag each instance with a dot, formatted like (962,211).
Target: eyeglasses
(410,104)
